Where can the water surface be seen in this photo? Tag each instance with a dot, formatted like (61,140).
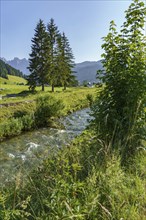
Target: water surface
(22,153)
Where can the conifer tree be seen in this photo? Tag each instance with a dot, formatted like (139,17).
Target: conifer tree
(53,35)
(65,61)
(119,112)
(39,57)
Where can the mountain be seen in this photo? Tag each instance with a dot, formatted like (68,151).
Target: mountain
(20,64)
(6,69)
(84,71)
(87,70)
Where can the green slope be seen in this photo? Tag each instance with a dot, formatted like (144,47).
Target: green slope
(6,69)
(12,80)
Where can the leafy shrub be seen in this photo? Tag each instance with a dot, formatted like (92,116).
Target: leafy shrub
(12,127)
(46,108)
(19,113)
(1,132)
(119,111)
(28,122)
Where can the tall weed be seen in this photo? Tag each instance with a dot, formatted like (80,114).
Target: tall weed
(46,108)
(72,184)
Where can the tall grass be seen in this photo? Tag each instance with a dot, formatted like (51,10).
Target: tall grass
(74,183)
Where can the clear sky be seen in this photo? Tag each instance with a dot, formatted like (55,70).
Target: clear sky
(84,23)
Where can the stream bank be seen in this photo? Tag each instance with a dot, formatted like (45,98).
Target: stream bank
(25,152)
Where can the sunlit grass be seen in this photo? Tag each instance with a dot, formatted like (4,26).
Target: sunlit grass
(12,80)
(73,99)
(21,92)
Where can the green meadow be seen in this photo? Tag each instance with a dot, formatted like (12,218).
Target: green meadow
(100,174)
(82,181)
(18,105)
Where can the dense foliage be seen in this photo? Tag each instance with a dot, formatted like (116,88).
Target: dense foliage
(46,108)
(38,61)
(76,183)
(119,112)
(65,62)
(53,34)
(6,70)
(51,59)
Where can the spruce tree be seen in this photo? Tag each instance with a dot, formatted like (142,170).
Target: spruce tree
(53,34)
(65,61)
(119,111)
(39,57)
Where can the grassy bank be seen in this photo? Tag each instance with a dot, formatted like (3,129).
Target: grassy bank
(14,114)
(79,183)
(82,181)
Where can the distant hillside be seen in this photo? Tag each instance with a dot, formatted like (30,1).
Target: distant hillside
(87,70)
(84,71)
(6,70)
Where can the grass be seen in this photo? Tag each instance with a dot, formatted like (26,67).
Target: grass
(12,89)
(22,112)
(73,99)
(12,80)
(81,181)
(12,85)
(76,183)
(22,92)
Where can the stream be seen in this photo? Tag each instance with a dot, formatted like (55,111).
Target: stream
(19,155)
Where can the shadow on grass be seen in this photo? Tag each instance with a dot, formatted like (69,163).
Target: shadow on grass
(24,93)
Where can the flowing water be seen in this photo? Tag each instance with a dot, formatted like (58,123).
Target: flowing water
(21,154)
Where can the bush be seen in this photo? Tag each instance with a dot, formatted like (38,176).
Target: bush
(11,127)
(14,126)
(28,122)
(19,113)
(46,108)
(119,111)
(1,132)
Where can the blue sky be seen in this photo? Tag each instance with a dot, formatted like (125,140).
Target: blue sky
(84,23)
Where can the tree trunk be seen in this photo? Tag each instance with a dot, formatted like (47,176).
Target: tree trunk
(52,88)
(43,88)
(64,87)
